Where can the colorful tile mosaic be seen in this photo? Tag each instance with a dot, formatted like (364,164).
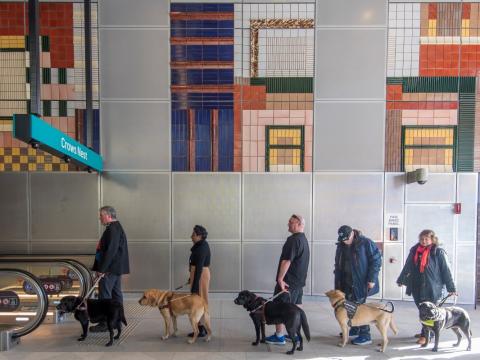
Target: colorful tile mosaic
(241,77)
(432,81)
(62,87)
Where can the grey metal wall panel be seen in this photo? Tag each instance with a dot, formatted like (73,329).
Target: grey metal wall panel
(437,217)
(348,198)
(208,199)
(270,200)
(439,188)
(149,266)
(224,266)
(142,201)
(349,136)
(394,199)
(64,206)
(136,135)
(13,208)
(130,13)
(468,197)
(259,266)
(465,270)
(180,257)
(392,266)
(350,63)
(134,63)
(14,247)
(323,260)
(65,246)
(351,13)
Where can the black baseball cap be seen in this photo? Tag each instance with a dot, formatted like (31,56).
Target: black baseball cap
(344,232)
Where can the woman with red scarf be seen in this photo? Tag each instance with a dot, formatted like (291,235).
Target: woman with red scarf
(426,272)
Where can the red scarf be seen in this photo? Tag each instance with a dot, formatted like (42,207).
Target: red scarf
(424,251)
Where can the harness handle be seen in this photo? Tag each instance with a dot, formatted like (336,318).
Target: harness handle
(87,295)
(269,300)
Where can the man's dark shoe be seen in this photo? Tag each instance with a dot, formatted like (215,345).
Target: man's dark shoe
(202,332)
(100,327)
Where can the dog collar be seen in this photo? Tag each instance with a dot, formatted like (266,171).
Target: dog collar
(428,322)
(338,304)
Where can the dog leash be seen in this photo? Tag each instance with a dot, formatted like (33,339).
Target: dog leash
(268,300)
(182,286)
(167,305)
(445,299)
(87,295)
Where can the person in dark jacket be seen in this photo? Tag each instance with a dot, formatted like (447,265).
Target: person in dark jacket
(357,264)
(199,265)
(111,260)
(426,272)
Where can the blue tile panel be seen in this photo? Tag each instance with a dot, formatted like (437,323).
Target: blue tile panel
(190,70)
(203,141)
(181,31)
(201,52)
(200,7)
(202,77)
(225,140)
(179,140)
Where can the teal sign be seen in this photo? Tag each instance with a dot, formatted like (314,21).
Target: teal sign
(33,130)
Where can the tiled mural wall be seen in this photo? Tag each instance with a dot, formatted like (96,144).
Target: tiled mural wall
(433,66)
(62,78)
(242,87)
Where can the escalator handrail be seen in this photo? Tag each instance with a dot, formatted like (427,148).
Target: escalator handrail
(84,282)
(86,272)
(63,257)
(43,300)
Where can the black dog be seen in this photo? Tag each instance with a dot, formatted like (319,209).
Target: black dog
(436,318)
(271,313)
(105,310)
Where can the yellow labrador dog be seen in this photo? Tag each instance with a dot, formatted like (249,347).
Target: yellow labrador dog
(365,314)
(173,304)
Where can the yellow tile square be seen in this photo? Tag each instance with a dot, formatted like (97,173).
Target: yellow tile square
(16,167)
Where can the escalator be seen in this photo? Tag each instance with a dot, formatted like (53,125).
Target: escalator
(59,278)
(23,305)
(30,289)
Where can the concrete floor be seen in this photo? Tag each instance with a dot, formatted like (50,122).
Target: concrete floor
(233,332)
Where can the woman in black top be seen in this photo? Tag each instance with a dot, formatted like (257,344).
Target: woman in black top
(199,266)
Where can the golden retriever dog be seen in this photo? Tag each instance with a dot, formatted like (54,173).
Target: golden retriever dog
(173,304)
(365,314)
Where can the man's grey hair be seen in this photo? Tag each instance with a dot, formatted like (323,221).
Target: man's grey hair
(299,218)
(110,211)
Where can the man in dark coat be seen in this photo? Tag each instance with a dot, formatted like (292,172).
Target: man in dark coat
(357,264)
(111,260)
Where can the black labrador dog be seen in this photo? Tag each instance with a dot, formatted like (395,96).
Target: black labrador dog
(436,318)
(272,313)
(105,310)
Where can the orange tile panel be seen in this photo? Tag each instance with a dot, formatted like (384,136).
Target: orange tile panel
(201,15)
(466,10)
(432,11)
(201,41)
(394,92)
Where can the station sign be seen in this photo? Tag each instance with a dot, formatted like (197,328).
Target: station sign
(36,132)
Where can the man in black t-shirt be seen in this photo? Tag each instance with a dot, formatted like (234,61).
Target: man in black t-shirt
(292,271)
